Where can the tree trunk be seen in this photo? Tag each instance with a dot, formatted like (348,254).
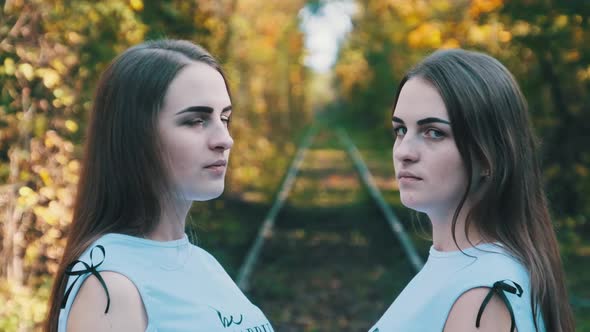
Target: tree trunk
(13,245)
(224,54)
(11,264)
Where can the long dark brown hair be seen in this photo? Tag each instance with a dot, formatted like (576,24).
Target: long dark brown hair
(490,123)
(123,181)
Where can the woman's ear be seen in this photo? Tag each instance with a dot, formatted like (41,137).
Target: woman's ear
(480,172)
(485,173)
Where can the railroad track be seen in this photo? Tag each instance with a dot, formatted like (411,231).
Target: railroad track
(266,229)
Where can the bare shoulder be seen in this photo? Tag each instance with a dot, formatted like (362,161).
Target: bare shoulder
(126,311)
(463,314)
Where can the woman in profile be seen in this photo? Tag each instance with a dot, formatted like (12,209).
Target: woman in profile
(465,155)
(157,140)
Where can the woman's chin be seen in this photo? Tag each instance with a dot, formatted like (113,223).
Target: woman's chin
(409,201)
(413,204)
(207,195)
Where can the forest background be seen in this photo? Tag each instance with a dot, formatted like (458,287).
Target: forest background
(52,52)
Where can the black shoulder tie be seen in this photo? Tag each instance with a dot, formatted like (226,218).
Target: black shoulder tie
(88,269)
(499,288)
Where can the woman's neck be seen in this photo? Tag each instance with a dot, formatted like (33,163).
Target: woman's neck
(442,236)
(172,222)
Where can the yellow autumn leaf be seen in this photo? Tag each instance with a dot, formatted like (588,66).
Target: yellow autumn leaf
(49,142)
(561,21)
(65,196)
(73,179)
(484,6)
(46,214)
(58,93)
(57,103)
(21,201)
(583,74)
(262,143)
(136,5)
(27,198)
(54,233)
(479,34)
(441,5)
(61,159)
(505,36)
(54,252)
(32,200)
(68,147)
(50,77)
(426,35)
(67,99)
(521,28)
(71,126)
(9,67)
(25,191)
(450,43)
(56,207)
(93,16)
(32,252)
(39,310)
(74,166)
(71,60)
(46,177)
(75,38)
(572,56)
(48,192)
(135,36)
(59,66)
(27,70)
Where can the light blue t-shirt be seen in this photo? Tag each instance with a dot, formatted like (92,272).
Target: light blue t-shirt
(426,302)
(183,287)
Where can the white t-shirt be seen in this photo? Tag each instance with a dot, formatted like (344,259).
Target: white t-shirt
(183,287)
(425,303)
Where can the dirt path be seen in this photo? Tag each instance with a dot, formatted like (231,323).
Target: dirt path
(332,263)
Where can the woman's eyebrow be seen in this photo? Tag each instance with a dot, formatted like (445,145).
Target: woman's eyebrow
(432,120)
(202,109)
(422,122)
(196,109)
(398,120)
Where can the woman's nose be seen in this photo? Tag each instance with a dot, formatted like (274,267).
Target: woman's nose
(221,139)
(405,150)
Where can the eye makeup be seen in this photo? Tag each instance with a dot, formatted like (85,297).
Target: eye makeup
(399,128)
(194,115)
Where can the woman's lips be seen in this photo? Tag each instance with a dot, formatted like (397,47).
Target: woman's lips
(217,167)
(408,180)
(405,177)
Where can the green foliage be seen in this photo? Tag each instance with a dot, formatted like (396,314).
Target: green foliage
(544,44)
(23,308)
(52,52)
(51,55)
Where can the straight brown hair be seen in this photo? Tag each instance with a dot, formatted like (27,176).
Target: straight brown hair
(123,181)
(491,126)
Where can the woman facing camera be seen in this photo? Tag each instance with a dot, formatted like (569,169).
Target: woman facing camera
(465,155)
(157,140)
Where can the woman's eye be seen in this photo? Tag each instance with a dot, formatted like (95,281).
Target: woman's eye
(194,122)
(226,120)
(399,131)
(434,133)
